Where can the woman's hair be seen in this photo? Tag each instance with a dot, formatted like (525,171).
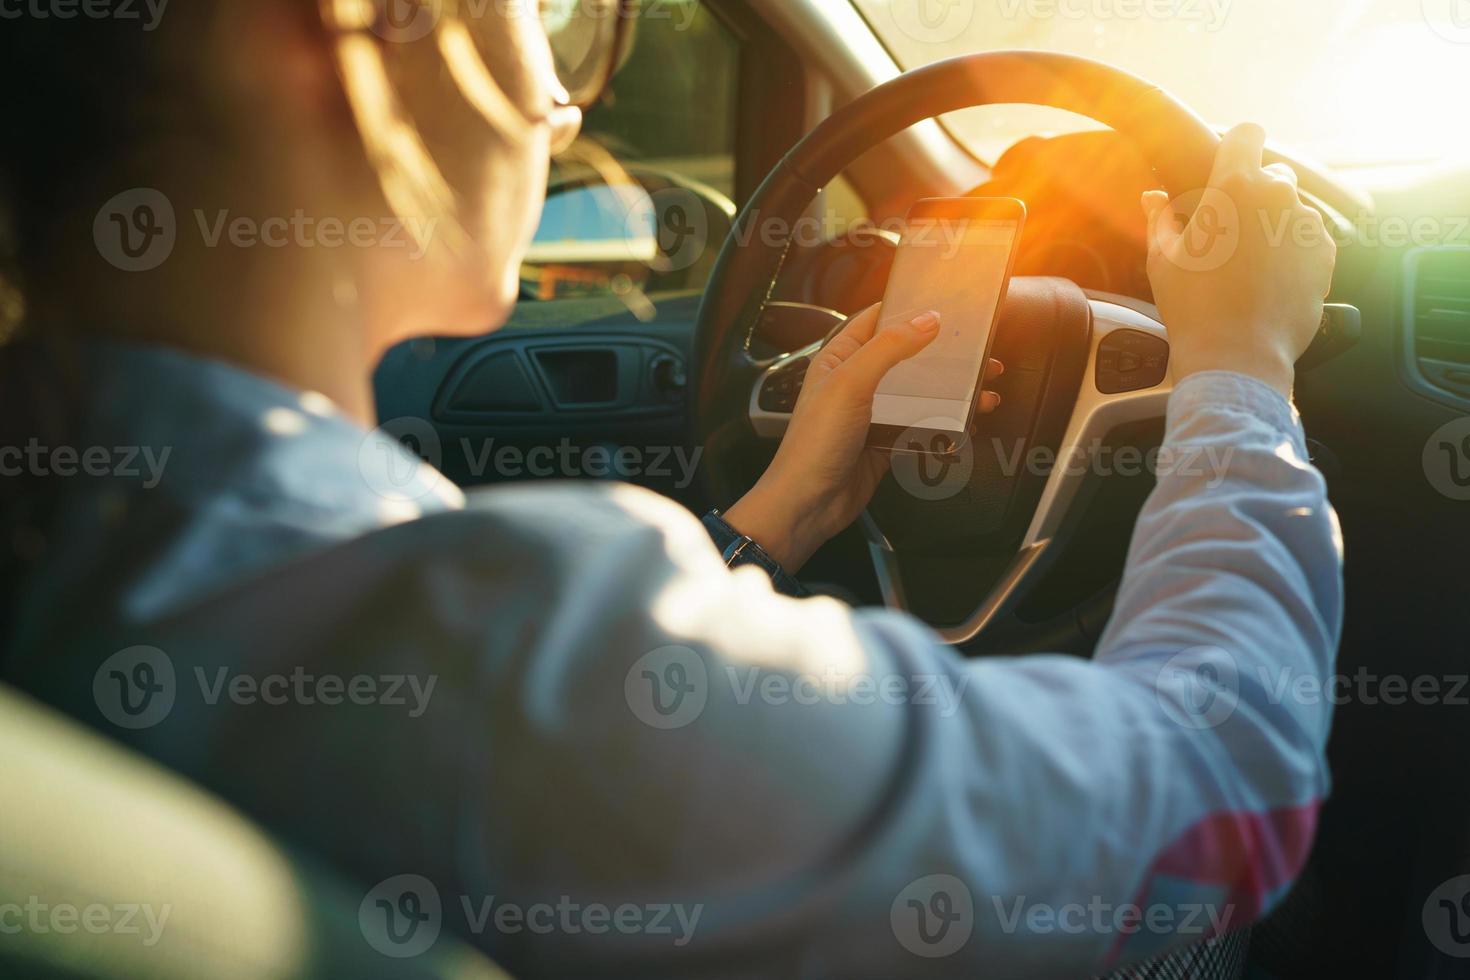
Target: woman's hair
(97,106)
(86,98)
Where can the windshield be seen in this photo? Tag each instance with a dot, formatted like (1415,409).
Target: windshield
(1351,83)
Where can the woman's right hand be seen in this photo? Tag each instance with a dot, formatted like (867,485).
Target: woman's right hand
(1241,287)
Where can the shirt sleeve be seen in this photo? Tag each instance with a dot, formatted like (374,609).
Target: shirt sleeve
(667,769)
(845,791)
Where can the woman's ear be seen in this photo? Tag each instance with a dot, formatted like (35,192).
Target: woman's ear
(279,52)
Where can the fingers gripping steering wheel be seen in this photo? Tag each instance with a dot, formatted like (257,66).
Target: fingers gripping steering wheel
(984,527)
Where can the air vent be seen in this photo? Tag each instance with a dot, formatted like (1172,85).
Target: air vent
(1437,287)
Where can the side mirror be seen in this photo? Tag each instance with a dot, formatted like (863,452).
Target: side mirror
(658,234)
(594,240)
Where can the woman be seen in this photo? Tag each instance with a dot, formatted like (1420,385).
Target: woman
(558,697)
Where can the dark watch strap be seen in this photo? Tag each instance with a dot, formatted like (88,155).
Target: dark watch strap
(737,549)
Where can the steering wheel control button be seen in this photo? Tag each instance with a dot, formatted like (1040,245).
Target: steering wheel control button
(1342,328)
(1131,360)
(783,386)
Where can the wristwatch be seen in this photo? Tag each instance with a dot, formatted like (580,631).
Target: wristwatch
(739,549)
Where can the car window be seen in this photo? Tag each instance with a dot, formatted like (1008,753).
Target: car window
(634,210)
(1349,83)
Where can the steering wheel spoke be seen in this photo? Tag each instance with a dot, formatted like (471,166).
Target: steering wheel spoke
(776,389)
(1127,380)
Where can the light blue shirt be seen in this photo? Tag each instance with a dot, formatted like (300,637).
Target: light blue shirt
(555,699)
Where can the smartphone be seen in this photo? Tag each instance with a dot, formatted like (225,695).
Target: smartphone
(955,257)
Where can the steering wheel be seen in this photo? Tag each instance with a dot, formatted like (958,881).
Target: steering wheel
(1077,366)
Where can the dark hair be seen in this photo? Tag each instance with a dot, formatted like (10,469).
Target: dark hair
(85,97)
(85,94)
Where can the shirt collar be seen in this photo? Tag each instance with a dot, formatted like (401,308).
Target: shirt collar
(230,433)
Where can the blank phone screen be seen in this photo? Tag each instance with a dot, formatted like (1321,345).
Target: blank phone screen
(957,267)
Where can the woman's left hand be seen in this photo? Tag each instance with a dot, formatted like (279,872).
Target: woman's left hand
(824,474)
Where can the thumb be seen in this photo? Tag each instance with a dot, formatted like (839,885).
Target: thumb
(1162,233)
(894,342)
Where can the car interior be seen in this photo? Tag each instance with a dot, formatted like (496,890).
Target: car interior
(660,320)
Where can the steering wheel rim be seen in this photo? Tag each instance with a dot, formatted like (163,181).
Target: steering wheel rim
(1180,146)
